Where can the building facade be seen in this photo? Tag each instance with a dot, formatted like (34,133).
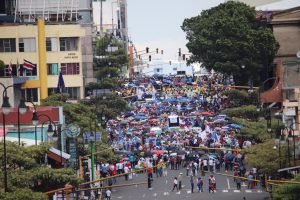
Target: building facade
(68,45)
(286,29)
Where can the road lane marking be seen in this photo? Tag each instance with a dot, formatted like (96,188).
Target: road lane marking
(228,183)
(178,192)
(224,190)
(189,191)
(155,194)
(236,190)
(120,197)
(259,191)
(248,191)
(166,181)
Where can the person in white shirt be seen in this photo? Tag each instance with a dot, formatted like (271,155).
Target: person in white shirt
(211,165)
(108,194)
(205,165)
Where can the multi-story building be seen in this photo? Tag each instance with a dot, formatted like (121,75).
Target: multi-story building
(286,89)
(62,43)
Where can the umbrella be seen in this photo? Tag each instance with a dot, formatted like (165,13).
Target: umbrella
(206,113)
(235,126)
(220,121)
(158,152)
(173,154)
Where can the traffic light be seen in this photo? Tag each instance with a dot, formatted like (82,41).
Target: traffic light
(179,52)
(183,56)
(147,49)
(149,58)
(157,50)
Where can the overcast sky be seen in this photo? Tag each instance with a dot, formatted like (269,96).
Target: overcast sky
(156,23)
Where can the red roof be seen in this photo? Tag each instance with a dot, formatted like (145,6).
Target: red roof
(12,117)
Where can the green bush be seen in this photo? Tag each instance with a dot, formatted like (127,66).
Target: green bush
(246,112)
(22,194)
(241,97)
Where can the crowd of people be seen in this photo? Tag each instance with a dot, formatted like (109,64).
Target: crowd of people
(176,123)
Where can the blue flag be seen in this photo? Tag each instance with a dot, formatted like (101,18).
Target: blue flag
(61,84)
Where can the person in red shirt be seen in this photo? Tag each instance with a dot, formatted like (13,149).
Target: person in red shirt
(150,172)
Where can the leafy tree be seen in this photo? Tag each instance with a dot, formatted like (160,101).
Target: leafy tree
(264,157)
(26,171)
(228,36)
(241,97)
(23,194)
(247,112)
(288,191)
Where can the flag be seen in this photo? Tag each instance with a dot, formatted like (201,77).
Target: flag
(60,84)
(28,65)
(19,69)
(10,68)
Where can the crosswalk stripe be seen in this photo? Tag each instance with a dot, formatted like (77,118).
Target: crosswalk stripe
(259,191)
(248,191)
(224,190)
(178,192)
(189,191)
(236,190)
(155,194)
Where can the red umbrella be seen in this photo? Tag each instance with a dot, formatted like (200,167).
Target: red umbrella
(206,113)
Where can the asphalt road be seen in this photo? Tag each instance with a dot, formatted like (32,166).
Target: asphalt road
(162,186)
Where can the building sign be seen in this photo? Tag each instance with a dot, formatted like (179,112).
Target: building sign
(72,150)
(71,56)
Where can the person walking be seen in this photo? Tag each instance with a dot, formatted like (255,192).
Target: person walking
(108,194)
(200,184)
(238,183)
(180,180)
(192,183)
(175,184)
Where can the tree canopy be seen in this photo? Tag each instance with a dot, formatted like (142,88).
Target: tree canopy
(27,171)
(227,37)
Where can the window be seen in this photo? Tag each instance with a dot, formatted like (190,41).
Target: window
(70,68)
(68,44)
(27,45)
(51,44)
(74,92)
(30,94)
(52,69)
(8,45)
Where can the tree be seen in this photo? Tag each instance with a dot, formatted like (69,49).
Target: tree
(288,191)
(229,36)
(27,172)
(264,157)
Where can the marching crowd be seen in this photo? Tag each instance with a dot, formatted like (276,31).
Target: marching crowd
(193,106)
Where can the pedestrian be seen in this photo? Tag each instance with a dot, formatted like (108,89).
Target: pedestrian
(187,169)
(180,180)
(175,184)
(126,171)
(212,184)
(200,184)
(192,183)
(250,181)
(108,194)
(238,183)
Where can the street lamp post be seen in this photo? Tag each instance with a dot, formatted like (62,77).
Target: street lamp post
(35,122)
(5,111)
(92,138)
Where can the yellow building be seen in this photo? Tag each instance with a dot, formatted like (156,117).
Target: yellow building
(64,49)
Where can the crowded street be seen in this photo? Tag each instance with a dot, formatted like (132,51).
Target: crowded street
(178,132)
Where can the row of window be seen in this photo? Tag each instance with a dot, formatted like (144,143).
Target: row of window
(29,44)
(53,69)
(31,94)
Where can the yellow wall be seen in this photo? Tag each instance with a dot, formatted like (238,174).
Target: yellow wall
(23,31)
